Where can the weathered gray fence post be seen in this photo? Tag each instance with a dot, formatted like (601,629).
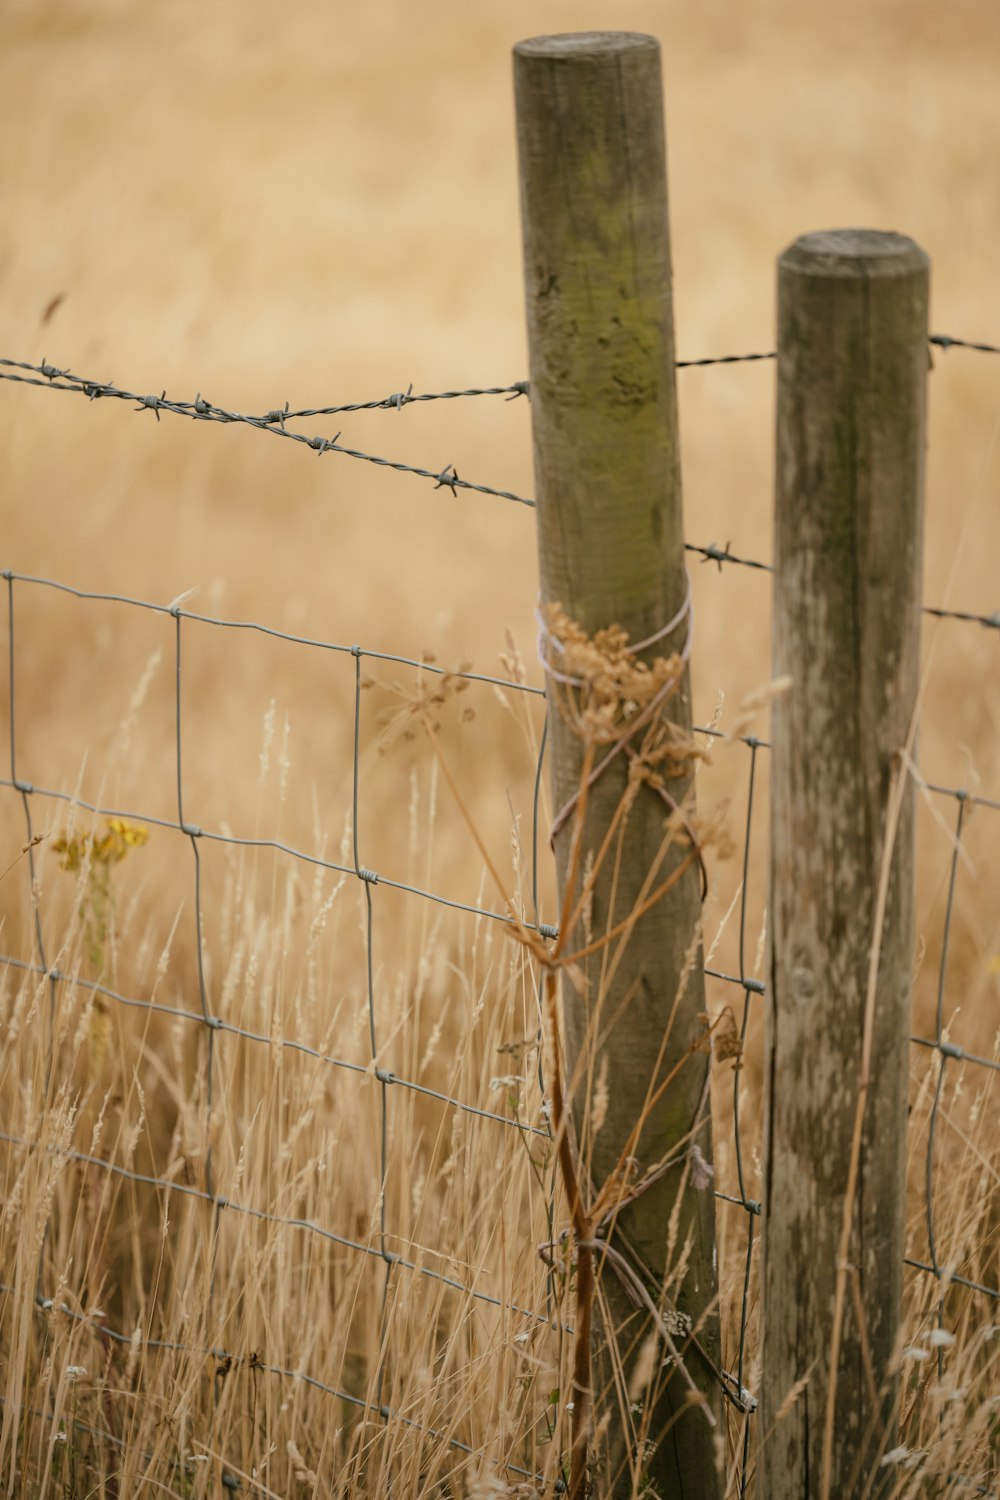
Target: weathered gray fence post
(610,537)
(852,377)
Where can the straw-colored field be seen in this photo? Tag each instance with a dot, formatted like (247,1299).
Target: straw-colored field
(318,204)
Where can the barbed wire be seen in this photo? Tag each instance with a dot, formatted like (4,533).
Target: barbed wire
(200,410)
(991,622)
(946,341)
(52,377)
(720,555)
(723,359)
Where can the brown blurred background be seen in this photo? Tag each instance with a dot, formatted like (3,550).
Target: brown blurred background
(318,203)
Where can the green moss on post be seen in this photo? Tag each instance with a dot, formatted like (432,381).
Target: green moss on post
(610,537)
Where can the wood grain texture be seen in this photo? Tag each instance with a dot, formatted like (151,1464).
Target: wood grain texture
(852,376)
(610,537)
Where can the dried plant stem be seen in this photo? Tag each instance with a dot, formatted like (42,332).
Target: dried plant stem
(585,1280)
(603,1207)
(583,1223)
(895,804)
(569,914)
(639,911)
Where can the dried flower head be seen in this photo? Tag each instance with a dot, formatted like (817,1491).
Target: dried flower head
(605,687)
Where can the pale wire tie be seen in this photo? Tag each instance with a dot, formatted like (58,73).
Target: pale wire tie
(546,639)
(545,636)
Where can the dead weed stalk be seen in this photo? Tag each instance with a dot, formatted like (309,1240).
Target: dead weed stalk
(615,705)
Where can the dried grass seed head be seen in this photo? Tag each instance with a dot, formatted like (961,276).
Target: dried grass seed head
(607,686)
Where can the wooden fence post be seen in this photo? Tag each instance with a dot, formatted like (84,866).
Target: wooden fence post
(610,537)
(852,376)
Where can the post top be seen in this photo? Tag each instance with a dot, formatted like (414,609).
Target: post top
(853,253)
(585,44)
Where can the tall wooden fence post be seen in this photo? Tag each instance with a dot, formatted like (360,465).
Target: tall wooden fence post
(610,537)
(851,413)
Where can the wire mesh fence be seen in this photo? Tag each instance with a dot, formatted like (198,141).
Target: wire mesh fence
(950,1065)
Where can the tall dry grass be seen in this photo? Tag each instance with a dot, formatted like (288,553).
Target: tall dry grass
(111,1379)
(155,1341)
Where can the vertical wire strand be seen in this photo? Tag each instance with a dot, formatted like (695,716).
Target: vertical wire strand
(752,1207)
(25,789)
(939,1037)
(543,741)
(10,671)
(754,745)
(551,1305)
(745,1457)
(942,1064)
(211,1022)
(367,877)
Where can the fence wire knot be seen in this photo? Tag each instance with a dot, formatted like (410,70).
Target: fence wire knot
(152,403)
(715,554)
(447,479)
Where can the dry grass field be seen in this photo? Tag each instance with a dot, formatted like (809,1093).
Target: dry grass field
(318,204)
